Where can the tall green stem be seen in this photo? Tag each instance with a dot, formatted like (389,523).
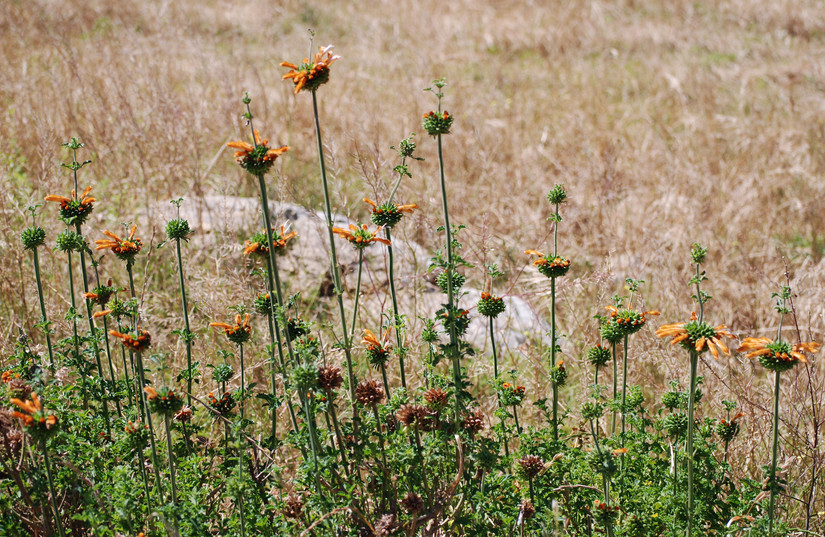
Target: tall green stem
(187,337)
(624,387)
(493,346)
(775,450)
(396,318)
(336,276)
(148,417)
(171,456)
(449,270)
(112,374)
(92,331)
(52,495)
(694,362)
(43,318)
(615,387)
(357,296)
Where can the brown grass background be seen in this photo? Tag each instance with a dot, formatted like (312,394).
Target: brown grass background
(669,123)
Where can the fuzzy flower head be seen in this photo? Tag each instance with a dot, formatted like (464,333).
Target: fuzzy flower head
(447,278)
(178,229)
(728,429)
(70,241)
(101,294)
(256,244)
(628,320)
(359,236)
(125,249)
(263,304)
(240,332)
(697,336)
(598,356)
(222,406)
(256,158)
(531,466)
(558,374)
(436,123)
(74,210)
(388,214)
(163,401)
(776,355)
(510,394)
(490,306)
(310,76)
(137,436)
(32,237)
(296,327)
(38,423)
(378,351)
(330,378)
(549,265)
(137,341)
(369,392)
(453,317)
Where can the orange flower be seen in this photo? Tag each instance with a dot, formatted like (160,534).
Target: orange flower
(311,76)
(124,249)
(74,209)
(239,333)
(697,336)
(257,243)
(256,158)
(137,342)
(359,237)
(776,355)
(33,414)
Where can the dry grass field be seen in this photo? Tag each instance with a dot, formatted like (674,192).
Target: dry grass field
(668,123)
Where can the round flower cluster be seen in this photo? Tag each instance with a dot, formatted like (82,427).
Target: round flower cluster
(69,241)
(672,399)
(511,395)
(598,356)
(611,331)
(676,424)
(454,318)
(222,406)
(178,229)
(531,466)
(592,411)
(137,436)
(369,392)
(330,378)
(38,423)
(257,159)
(490,305)
(305,377)
(223,373)
(436,399)
(727,430)
(558,374)
(163,401)
(296,327)
(603,462)
(388,214)
(239,333)
(101,294)
(263,304)
(33,237)
(137,341)
(473,422)
(605,514)
(256,244)
(776,355)
(74,210)
(436,123)
(551,266)
(457,281)
(697,336)
(124,249)
(309,76)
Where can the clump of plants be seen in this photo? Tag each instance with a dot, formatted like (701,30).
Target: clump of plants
(140,445)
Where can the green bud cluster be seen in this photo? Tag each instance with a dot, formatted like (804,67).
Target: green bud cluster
(33,237)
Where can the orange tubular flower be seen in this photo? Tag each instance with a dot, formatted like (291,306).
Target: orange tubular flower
(311,76)
(697,336)
(238,333)
(776,355)
(388,214)
(125,249)
(549,265)
(74,209)
(378,352)
(359,237)
(135,342)
(37,422)
(256,158)
(257,243)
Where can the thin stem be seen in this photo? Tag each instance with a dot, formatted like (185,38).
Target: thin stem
(396,318)
(694,361)
(112,373)
(493,346)
(553,339)
(52,495)
(615,388)
(775,450)
(148,418)
(243,393)
(449,270)
(241,444)
(357,295)
(171,459)
(624,387)
(187,336)
(92,331)
(515,418)
(336,276)
(555,412)
(43,318)
(338,436)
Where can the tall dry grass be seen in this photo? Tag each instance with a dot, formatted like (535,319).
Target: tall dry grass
(669,122)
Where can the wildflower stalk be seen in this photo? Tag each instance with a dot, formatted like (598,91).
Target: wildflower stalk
(694,364)
(449,269)
(52,495)
(624,389)
(112,373)
(187,336)
(171,456)
(774,453)
(615,387)
(336,276)
(493,345)
(556,220)
(43,319)
(147,415)
(92,331)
